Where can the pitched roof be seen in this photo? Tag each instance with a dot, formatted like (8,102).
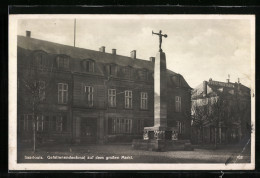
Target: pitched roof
(81,53)
(215,88)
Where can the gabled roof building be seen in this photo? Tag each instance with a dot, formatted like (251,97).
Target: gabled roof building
(88,96)
(221,112)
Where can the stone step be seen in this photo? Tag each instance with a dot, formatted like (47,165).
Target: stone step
(162,145)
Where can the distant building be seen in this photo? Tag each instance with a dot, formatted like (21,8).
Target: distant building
(88,96)
(221,112)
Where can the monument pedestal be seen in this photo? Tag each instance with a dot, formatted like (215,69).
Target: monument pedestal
(160,137)
(157,139)
(158,133)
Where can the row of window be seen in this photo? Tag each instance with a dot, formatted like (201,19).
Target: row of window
(59,124)
(112,70)
(124,125)
(89,95)
(40,87)
(112,98)
(42,123)
(120,125)
(89,66)
(42,62)
(128,99)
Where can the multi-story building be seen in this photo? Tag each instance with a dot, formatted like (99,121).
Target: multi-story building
(91,96)
(221,112)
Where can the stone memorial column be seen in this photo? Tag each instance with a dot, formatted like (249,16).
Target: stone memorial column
(160,91)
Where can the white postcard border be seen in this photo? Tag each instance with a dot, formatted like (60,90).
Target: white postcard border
(12,85)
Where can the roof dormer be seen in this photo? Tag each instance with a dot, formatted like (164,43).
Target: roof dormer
(88,65)
(63,61)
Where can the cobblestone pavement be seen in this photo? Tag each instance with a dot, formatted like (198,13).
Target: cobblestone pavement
(125,154)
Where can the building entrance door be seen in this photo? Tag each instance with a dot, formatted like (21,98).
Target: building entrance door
(88,130)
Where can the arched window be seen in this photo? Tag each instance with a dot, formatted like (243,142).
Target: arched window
(88,65)
(62,62)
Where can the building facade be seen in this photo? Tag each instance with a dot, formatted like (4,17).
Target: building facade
(84,96)
(221,113)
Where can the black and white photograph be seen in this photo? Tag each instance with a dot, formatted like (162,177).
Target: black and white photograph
(131,92)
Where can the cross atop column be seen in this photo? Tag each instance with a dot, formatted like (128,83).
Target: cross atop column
(160,39)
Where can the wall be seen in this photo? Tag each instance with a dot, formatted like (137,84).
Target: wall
(76,109)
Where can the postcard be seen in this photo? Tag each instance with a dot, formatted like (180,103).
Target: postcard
(131,92)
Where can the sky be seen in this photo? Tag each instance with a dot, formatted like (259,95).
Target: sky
(198,48)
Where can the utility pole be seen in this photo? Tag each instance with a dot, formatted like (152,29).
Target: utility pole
(74,32)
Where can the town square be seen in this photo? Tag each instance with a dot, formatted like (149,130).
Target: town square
(125,89)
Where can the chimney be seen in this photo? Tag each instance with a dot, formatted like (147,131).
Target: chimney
(228,78)
(238,86)
(28,34)
(152,59)
(114,51)
(133,54)
(205,88)
(102,49)
(238,80)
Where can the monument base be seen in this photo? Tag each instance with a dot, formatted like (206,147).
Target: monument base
(161,139)
(160,133)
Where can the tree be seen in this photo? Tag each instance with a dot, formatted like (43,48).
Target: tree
(242,110)
(218,105)
(211,111)
(200,114)
(31,78)
(229,109)
(226,111)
